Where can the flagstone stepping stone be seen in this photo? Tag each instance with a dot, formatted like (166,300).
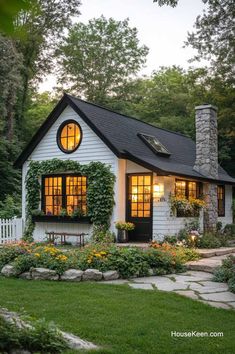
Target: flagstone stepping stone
(188,293)
(232,304)
(115,282)
(209,287)
(198,275)
(219,297)
(193,278)
(150,280)
(170,286)
(141,286)
(205,265)
(219,305)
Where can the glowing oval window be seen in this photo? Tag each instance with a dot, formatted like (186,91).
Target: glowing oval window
(69,136)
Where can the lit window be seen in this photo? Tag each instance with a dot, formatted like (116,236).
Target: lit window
(64,192)
(52,195)
(187,189)
(140,196)
(69,136)
(221,200)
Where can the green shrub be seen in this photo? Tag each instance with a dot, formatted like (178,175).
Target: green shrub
(231,283)
(42,337)
(209,240)
(24,262)
(128,261)
(226,272)
(10,207)
(102,235)
(9,252)
(229,230)
(166,260)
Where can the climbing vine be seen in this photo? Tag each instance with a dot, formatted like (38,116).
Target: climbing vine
(100,188)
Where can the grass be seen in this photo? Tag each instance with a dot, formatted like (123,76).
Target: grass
(120,319)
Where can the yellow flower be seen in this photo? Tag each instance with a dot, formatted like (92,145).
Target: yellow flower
(37,254)
(62,257)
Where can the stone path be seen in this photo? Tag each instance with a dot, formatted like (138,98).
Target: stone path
(196,285)
(211,258)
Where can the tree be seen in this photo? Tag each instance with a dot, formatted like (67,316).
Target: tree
(8,13)
(39,107)
(99,58)
(214,37)
(42,26)
(10,85)
(172,3)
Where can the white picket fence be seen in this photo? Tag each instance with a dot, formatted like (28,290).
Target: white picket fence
(11,230)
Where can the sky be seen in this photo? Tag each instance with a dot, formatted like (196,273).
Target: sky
(162,29)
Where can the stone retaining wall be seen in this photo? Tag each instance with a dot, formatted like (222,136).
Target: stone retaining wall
(69,275)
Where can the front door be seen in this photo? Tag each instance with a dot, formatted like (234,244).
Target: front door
(139,206)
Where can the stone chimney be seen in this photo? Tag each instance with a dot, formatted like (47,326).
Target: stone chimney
(206,162)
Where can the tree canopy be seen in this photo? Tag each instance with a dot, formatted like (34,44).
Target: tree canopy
(98,58)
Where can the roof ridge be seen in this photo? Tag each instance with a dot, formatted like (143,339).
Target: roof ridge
(126,116)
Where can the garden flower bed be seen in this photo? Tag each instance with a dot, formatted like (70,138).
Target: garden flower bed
(93,262)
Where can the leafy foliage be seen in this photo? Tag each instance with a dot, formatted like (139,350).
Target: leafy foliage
(8,13)
(98,58)
(10,207)
(100,190)
(226,273)
(38,337)
(214,36)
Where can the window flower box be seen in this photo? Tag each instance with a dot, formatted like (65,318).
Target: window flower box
(61,219)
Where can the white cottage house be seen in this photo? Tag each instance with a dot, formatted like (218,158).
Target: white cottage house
(150,165)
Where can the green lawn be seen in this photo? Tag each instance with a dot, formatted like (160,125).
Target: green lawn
(123,320)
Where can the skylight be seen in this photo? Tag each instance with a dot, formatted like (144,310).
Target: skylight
(154,144)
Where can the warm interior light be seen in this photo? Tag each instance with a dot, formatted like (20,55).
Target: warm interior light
(158,191)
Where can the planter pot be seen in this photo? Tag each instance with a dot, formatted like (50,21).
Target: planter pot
(122,236)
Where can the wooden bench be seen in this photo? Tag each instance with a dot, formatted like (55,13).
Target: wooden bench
(52,236)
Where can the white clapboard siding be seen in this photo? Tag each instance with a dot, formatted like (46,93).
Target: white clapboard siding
(228,218)
(11,230)
(42,227)
(164,224)
(92,148)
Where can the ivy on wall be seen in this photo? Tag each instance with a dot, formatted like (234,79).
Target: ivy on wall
(100,188)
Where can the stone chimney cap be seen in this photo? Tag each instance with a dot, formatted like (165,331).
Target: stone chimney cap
(206,106)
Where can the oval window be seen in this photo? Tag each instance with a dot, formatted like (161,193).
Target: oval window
(69,136)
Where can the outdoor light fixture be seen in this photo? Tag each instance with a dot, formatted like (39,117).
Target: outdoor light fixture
(158,191)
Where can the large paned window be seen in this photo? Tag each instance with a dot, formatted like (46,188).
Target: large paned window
(221,200)
(187,189)
(64,192)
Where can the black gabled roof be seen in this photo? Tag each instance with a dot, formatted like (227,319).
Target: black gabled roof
(120,134)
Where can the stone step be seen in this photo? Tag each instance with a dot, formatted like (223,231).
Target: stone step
(200,267)
(212,252)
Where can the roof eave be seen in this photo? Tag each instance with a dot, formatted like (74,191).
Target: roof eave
(162,172)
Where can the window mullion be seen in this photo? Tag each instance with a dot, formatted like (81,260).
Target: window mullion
(64,198)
